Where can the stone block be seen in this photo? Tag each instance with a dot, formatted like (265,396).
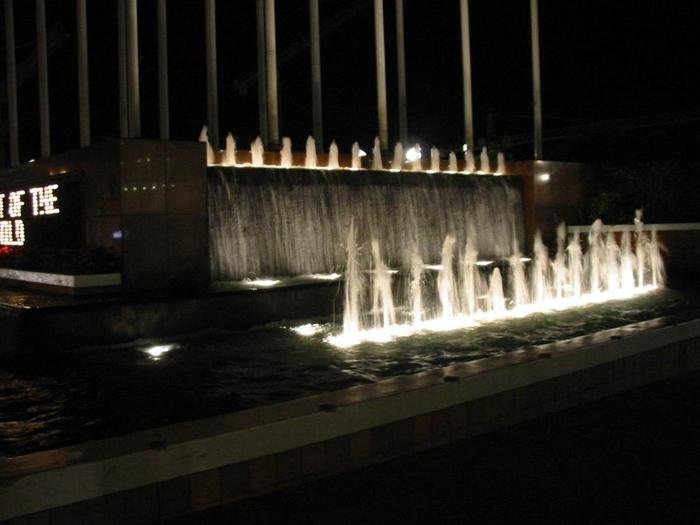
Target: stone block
(205,489)
(263,473)
(313,459)
(174,497)
(234,480)
(288,465)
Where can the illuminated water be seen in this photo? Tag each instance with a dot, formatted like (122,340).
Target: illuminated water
(93,393)
(273,222)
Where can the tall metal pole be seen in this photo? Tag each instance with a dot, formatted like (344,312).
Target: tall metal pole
(401,73)
(262,74)
(123,88)
(83,76)
(467,75)
(132,60)
(11,82)
(271,62)
(43,76)
(381,73)
(212,82)
(316,94)
(163,92)
(536,83)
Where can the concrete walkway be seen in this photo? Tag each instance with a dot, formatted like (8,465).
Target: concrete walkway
(632,458)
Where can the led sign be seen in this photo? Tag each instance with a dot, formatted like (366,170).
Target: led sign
(20,207)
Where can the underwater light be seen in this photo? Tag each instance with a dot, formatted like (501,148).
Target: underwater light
(263,282)
(156,352)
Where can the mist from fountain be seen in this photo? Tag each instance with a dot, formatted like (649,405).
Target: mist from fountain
(356,162)
(540,271)
(397,161)
(257,153)
(559,265)
(204,137)
(416,162)
(484,161)
(416,286)
(353,285)
(519,292)
(230,153)
(446,279)
(311,160)
(472,285)
(333,161)
(377,163)
(434,159)
(382,301)
(452,162)
(286,160)
(469,162)
(501,158)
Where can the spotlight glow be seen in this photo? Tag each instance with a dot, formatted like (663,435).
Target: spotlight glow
(156,352)
(265,283)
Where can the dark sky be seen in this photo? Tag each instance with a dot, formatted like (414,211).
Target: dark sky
(601,59)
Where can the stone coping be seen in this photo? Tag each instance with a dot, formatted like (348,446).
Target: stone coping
(98,468)
(62,280)
(669,227)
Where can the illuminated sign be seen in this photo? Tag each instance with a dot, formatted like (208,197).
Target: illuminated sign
(35,213)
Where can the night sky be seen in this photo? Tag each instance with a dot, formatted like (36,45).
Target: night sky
(601,59)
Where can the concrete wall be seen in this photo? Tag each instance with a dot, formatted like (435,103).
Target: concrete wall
(145,198)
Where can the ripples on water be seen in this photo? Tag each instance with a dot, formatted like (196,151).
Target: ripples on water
(48,401)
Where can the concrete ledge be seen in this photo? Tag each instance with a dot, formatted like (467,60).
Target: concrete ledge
(61,282)
(182,468)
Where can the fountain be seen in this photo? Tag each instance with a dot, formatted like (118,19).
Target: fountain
(286,153)
(414,155)
(469,163)
(452,162)
(434,159)
(484,162)
(377,155)
(356,162)
(262,222)
(572,279)
(446,279)
(230,153)
(311,158)
(416,289)
(204,137)
(333,162)
(397,162)
(501,158)
(257,153)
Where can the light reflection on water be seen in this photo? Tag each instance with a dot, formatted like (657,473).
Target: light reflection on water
(92,393)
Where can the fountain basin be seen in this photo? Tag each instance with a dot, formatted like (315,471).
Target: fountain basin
(207,462)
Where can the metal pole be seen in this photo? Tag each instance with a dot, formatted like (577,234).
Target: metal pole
(316,93)
(401,73)
(536,83)
(132,60)
(467,75)
(123,97)
(163,92)
(11,82)
(83,76)
(262,75)
(43,76)
(271,54)
(381,73)
(212,87)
